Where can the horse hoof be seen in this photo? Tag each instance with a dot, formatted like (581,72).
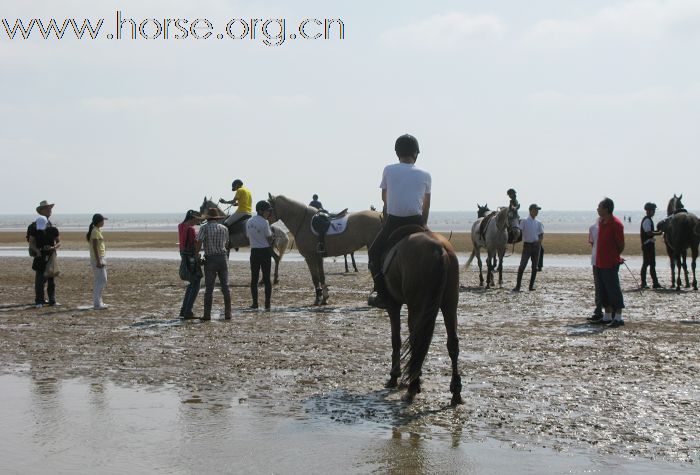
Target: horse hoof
(408,397)
(456,400)
(392,383)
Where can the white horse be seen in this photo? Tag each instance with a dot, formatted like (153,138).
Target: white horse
(495,240)
(239,238)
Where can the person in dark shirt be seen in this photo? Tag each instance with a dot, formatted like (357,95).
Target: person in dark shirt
(315,203)
(647,233)
(44,240)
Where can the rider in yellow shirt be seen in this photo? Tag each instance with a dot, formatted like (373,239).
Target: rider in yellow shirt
(243,199)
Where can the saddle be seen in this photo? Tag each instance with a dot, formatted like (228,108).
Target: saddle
(320,222)
(484,224)
(395,238)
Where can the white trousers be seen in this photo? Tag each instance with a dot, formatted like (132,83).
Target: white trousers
(100,274)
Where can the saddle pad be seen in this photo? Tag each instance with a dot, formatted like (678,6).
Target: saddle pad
(338,226)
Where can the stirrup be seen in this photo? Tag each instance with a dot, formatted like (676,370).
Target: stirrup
(320,248)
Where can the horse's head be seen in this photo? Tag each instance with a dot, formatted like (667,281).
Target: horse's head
(675,205)
(482,210)
(207,203)
(274,217)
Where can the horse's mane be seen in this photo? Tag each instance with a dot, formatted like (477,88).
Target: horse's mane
(502,217)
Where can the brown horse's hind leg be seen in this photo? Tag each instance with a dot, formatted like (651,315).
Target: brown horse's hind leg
(394,311)
(449,313)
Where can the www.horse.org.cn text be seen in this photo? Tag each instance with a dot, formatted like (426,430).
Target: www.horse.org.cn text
(270,31)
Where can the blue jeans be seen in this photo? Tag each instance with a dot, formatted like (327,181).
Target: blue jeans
(191,291)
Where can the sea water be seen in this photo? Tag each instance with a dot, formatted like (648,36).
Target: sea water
(444,221)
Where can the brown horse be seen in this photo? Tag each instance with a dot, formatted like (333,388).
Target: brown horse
(424,275)
(680,233)
(362,228)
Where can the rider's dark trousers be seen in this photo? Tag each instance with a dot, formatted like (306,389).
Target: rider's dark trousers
(378,247)
(260,260)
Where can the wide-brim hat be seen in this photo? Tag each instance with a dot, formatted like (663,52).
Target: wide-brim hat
(44,204)
(214,213)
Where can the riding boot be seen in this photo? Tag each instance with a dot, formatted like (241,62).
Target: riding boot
(532,280)
(654,279)
(379,300)
(520,279)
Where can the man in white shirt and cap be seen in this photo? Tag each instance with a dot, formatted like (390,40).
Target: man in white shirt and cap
(533,233)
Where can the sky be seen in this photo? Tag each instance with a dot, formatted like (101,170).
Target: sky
(566,101)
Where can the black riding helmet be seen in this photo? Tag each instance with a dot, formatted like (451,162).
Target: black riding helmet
(236,183)
(406,145)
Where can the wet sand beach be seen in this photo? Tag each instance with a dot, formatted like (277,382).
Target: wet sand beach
(536,376)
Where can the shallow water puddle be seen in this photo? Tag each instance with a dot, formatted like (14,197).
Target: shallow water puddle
(97,426)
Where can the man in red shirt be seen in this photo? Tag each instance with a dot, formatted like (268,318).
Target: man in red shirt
(609,246)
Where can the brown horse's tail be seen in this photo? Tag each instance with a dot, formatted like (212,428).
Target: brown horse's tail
(415,348)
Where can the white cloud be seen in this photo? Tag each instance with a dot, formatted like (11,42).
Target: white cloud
(653,96)
(635,20)
(446,31)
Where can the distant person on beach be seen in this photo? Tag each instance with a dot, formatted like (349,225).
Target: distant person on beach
(315,203)
(260,237)
(243,199)
(187,243)
(647,233)
(514,205)
(533,234)
(406,196)
(43,240)
(97,260)
(593,241)
(609,247)
(213,239)
(514,233)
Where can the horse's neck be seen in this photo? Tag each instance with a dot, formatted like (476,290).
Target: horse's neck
(291,213)
(501,220)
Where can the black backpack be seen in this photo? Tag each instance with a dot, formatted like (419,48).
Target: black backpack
(31,232)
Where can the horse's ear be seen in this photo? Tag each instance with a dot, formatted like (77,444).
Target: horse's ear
(681,196)
(270,196)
